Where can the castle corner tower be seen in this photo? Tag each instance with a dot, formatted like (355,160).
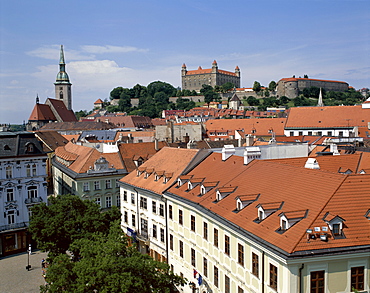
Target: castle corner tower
(62,85)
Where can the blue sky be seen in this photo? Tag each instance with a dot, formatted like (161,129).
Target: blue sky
(122,43)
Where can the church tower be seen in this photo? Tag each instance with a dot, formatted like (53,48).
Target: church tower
(62,85)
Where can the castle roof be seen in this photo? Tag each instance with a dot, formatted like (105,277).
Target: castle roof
(305,79)
(98,101)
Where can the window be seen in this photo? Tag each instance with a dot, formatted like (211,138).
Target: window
(193,257)
(227,284)
(180,217)
(162,235)
(161,210)
(32,191)
(205,267)
(9,172)
(28,170)
(336,229)
(144,227)
(133,220)
(291,133)
(154,231)
(240,290)
(227,245)
(34,170)
(357,278)
(96,185)
(98,201)
(143,202)
(117,183)
(108,184)
(10,194)
(171,241)
(205,230)
(118,199)
(318,282)
(241,254)
(108,201)
(86,186)
(273,277)
(255,264)
(192,223)
(283,225)
(125,195)
(330,133)
(215,237)
(170,211)
(215,276)
(11,217)
(181,248)
(132,198)
(125,217)
(154,207)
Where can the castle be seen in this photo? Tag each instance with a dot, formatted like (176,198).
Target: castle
(292,87)
(194,79)
(58,109)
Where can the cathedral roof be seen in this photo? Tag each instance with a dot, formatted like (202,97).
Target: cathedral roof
(42,112)
(60,108)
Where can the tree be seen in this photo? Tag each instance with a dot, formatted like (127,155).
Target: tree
(66,219)
(184,104)
(108,264)
(81,113)
(160,86)
(115,93)
(252,101)
(208,93)
(256,86)
(272,85)
(227,86)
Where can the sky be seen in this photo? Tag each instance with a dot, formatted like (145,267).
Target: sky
(123,43)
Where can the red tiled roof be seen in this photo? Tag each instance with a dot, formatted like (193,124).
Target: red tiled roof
(42,112)
(59,106)
(99,101)
(327,117)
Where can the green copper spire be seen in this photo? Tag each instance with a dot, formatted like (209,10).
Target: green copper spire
(62,76)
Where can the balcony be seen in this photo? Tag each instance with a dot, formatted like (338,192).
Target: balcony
(13,226)
(143,236)
(33,200)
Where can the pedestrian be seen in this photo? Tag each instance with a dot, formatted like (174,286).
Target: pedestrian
(43,263)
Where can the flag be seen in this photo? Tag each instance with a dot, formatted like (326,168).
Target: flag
(200,280)
(195,273)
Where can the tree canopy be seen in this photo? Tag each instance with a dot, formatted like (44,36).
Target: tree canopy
(256,86)
(108,264)
(68,218)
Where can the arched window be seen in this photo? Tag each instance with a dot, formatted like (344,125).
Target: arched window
(61,95)
(34,170)
(28,170)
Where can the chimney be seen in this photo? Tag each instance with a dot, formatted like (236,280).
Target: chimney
(249,139)
(334,149)
(156,144)
(227,151)
(312,163)
(251,153)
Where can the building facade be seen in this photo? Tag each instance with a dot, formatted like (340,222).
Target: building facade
(86,172)
(194,79)
(22,185)
(292,87)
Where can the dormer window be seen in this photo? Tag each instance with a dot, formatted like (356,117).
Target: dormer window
(207,186)
(140,171)
(30,147)
(288,219)
(182,180)
(194,182)
(222,192)
(336,224)
(167,177)
(266,209)
(244,200)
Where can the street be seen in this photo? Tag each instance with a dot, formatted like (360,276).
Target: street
(15,278)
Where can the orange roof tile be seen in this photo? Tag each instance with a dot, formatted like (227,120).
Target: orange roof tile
(172,160)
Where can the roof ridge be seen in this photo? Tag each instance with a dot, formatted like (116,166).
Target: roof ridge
(319,212)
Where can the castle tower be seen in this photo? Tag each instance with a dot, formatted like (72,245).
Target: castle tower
(237,71)
(62,85)
(183,70)
(214,67)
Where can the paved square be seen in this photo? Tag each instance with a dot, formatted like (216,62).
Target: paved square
(14,278)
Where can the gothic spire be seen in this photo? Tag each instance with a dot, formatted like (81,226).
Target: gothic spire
(320,102)
(62,76)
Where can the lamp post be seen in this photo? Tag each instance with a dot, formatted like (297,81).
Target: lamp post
(28,267)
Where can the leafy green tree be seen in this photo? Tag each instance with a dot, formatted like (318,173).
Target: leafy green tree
(256,87)
(272,85)
(107,264)
(66,219)
(116,93)
(252,101)
(266,93)
(208,93)
(81,113)
(184,104)
(284,100)
(227,86)
(160,86)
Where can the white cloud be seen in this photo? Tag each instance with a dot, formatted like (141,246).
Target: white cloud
(111,49)
(52,53)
